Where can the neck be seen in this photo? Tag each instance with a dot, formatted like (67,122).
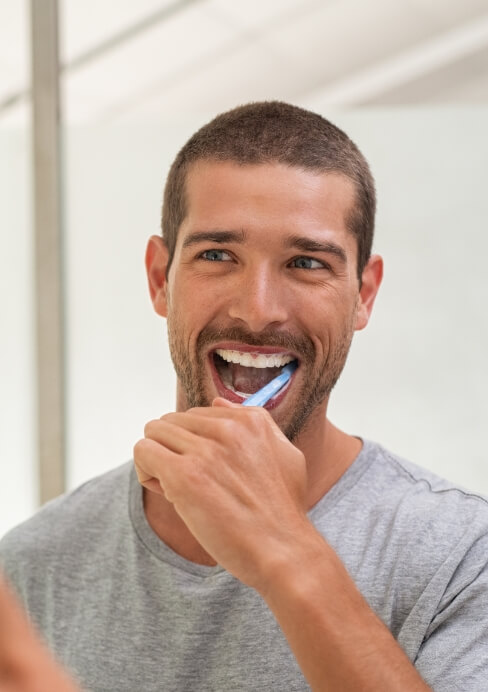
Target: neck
(328,452)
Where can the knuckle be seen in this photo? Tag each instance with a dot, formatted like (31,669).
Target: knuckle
(227,428)
(150,428)
(167,417)
(194,473)
(198,410)
(139,448)
(258,416)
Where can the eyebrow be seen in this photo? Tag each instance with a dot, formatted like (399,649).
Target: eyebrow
(311,245)
(214,237)
(299,242)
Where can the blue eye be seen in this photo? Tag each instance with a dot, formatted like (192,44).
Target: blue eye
(307,263)
(216,256)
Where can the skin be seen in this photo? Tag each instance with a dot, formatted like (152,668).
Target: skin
(25,664)
(222,483)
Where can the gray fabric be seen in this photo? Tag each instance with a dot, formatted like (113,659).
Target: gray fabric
(124,612)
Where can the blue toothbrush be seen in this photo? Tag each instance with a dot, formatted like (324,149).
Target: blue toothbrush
(264,394)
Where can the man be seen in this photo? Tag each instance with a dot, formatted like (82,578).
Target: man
(267,550)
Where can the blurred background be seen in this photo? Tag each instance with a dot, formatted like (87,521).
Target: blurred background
(407,80)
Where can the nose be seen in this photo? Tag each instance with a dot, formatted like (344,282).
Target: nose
(258,300)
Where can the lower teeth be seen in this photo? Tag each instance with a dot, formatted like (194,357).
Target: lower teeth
(236,391)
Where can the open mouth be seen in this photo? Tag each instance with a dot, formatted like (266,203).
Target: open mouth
(238,374)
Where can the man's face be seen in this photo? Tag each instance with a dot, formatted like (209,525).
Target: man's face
(264,272)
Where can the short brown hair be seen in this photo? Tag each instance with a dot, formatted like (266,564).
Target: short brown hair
(274,132)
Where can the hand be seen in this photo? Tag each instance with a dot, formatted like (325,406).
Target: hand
(25,664)
(234,478)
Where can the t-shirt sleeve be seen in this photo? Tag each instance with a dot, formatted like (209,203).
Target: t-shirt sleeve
(454,653)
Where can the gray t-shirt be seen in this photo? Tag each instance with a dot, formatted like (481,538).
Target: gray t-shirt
(124,612)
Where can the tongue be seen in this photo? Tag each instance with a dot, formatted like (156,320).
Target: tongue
(249,380)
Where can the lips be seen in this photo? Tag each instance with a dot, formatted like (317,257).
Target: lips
(239,369)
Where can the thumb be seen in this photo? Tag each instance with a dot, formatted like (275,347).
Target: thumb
(224,403)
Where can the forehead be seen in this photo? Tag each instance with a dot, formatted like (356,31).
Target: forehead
(272,197)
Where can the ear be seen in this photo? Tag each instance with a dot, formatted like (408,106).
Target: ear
(156,262)
(371,280)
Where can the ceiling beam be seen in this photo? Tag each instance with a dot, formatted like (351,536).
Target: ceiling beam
(427,57)
(99,50)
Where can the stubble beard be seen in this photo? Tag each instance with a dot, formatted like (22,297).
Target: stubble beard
(317,385)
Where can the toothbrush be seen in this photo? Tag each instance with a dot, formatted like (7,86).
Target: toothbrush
(263,395)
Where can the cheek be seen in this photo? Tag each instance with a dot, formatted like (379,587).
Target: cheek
(202,305)
(327,321)
(191,310)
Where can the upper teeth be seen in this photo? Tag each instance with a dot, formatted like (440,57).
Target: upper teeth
(255,360)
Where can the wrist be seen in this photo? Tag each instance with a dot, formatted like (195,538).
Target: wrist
(290,562)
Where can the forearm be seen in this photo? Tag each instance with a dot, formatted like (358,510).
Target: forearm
(337,639)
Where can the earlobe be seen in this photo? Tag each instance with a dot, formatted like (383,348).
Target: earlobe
(371,281)
(156,261)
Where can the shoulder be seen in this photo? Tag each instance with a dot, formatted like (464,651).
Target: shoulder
(84,505)
(67,523)
(428,513)
(422,488)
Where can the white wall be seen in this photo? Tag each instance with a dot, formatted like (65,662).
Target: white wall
(416,377)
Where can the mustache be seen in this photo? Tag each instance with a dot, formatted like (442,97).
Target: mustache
(280,339)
